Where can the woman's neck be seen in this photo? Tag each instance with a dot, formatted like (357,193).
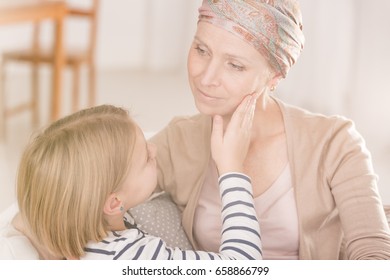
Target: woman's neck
(268,119)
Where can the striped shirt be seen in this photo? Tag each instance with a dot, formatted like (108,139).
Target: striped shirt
(240,232)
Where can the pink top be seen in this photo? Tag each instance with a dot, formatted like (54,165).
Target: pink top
(275,208)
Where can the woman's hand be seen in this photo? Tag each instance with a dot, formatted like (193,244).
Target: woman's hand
(229,148)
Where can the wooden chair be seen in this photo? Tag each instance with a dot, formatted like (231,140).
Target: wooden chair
(35,56)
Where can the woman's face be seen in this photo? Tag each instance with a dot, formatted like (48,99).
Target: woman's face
(142,178)
(223,69)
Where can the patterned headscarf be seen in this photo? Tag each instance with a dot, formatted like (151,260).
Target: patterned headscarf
(273,27)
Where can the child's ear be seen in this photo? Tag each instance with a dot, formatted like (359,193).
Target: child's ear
(113,205)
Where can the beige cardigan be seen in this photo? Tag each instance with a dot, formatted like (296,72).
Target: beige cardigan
(340,211)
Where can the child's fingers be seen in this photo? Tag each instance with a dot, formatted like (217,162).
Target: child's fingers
(249,114)
(217,131)
(241,111)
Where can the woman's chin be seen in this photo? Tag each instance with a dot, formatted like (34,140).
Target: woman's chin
(211,109)
(206,110)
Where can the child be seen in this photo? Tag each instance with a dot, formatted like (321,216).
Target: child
(78,178)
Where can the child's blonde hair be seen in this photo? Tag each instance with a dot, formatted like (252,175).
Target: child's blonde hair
(66,174)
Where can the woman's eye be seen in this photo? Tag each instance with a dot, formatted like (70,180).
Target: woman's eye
(236,66)
(200,50)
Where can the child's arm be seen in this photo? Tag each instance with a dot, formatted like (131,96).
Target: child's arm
(240,227)
(240,232)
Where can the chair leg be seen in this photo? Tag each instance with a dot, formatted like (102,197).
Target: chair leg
(92,85)
(35,95)
(76,87)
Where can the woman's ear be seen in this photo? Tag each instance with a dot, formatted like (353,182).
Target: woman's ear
(113,205)
(274,81)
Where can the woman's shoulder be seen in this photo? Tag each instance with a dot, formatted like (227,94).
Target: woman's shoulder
(297,112)
(328,133)
(299,119)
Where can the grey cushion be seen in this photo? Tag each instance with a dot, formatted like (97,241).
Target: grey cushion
(161,217)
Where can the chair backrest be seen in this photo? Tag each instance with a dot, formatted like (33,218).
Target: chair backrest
(88,12)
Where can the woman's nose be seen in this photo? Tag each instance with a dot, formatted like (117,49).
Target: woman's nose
(211,74)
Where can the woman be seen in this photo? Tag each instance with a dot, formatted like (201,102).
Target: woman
(315,189)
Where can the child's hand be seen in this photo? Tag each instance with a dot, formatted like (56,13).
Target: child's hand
(229,149)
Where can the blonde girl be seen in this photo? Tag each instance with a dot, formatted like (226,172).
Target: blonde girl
(78,178)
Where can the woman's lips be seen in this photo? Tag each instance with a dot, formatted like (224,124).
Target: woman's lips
(206,96)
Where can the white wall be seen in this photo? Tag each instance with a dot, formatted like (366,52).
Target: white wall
(146,34)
